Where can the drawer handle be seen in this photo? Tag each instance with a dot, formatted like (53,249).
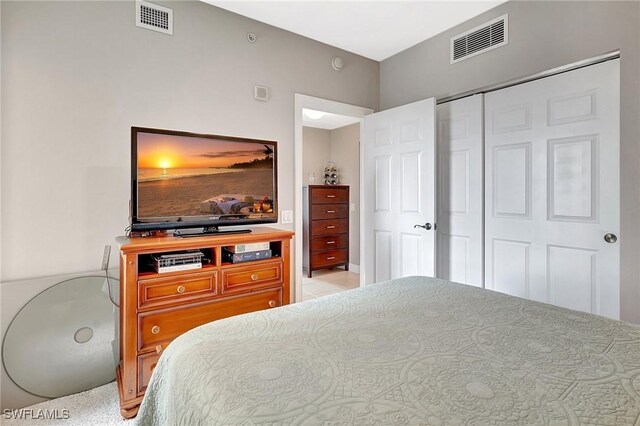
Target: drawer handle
(331,196)
(181,289)
(331,257)
(254,277)
(330,211)
(159,349)
(331,242)
(155,329)
(272,303)
(330,226)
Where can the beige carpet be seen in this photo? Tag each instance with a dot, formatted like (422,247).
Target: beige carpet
(98,406)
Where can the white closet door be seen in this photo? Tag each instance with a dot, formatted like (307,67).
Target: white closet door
(399,192)
(553,190)
(461,187)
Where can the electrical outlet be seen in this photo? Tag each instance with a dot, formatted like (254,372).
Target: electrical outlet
(286,216)
(353,207)
(105,257)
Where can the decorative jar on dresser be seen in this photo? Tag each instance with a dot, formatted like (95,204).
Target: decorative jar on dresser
(155,308)
(326,227)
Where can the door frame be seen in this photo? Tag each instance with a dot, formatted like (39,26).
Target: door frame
(310,102)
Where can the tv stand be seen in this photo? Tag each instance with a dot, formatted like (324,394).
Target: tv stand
(207,230)
(155,307)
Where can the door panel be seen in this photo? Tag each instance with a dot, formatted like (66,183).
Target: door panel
(512,180)
(572,277)
(553,189)
(382,250)
(461,186)
(572,166)
(510,268)
(399,191)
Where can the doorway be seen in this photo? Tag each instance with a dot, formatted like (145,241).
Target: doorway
(327,131)
(331,156)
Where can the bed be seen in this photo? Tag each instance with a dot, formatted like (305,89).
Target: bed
(410,351)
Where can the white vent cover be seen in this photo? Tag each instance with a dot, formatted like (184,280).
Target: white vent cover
(154,17)
(480,39)
(261,93)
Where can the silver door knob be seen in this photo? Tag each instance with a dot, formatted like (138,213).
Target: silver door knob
(610,238)
(426,226)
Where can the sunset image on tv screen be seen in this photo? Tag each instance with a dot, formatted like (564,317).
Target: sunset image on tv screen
(186,176)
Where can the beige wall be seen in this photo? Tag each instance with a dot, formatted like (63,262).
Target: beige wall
(316,151)
(77,75)
(542,36)
(345,151)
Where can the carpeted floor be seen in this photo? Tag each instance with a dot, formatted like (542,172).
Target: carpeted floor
(98,406)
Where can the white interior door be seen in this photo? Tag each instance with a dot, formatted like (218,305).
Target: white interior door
(553,189)
(399,192)
(461,187)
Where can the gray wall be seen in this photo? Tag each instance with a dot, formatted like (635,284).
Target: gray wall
(316,151)
(77,75)
(543,35)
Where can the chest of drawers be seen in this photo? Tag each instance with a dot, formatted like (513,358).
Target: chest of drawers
(326,223)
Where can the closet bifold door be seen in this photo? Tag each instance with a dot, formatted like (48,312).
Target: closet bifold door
(460,191)
(552,175)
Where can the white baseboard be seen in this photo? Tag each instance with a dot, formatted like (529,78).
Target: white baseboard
(354,268)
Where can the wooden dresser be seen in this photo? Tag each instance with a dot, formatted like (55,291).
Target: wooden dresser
(326,224)
(156,307)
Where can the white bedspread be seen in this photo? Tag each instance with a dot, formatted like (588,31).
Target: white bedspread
(410,351)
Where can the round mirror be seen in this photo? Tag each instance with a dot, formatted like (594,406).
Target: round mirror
(64,340)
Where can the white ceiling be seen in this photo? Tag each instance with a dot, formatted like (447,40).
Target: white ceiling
(326,120)
(373,29)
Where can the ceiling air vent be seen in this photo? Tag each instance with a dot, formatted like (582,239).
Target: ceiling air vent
(480,39)
(154,17)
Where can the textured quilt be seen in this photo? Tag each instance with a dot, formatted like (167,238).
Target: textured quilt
(416,351)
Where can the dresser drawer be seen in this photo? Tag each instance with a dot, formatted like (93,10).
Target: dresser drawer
(329,242)
(329,211)
(165,291)
(162,326)
(247,277)
(326,227)
(146,365)
(329,195)
(330,257)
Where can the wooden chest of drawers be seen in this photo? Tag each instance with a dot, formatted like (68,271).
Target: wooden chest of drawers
(326,223)
(156,308)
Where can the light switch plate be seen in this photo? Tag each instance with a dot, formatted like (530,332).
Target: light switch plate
(286,216)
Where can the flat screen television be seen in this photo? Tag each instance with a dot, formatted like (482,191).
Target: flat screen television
(183,180)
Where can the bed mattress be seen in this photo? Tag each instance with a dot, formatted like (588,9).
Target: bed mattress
(410,351)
